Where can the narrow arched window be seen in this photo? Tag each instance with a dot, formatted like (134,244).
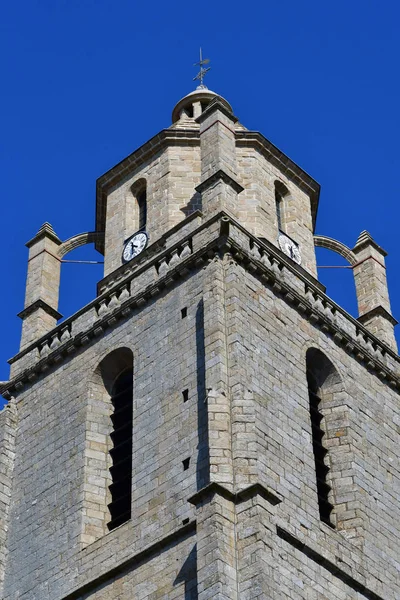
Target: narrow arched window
(322,379)
(142,206)
(121,451)
(280,193)
(320,453)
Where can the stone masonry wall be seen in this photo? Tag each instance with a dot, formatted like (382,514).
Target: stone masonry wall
(257,211)
(51,477)
(270,339)
(8,423)
(172,176)
(223,384)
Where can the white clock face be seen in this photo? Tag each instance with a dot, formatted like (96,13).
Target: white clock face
(290,248)
(134,246)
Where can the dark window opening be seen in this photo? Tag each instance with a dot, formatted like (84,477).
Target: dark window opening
(121,452)
(185,395)
(185,521)
(184,312)
(278,204)
(186,463)
(320,454)
(142,204)
(280,193)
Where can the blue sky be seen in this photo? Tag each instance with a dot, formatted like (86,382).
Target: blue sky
(85,83)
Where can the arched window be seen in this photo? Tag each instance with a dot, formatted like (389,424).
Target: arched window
(121,451)
(323,382)
(281,192)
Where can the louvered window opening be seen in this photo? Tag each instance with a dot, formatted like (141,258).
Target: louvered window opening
(121,452)
(321,468)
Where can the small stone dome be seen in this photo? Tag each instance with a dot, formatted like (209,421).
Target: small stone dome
(194,103)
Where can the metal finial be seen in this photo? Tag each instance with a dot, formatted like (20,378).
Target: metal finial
(202,72)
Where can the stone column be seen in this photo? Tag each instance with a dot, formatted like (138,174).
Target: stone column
(218,187)
(372,290)
(40,312)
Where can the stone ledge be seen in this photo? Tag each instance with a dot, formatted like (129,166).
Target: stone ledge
(219,175)
(179,534)
(214,488)
(329,565)
(377,311)
(39,304)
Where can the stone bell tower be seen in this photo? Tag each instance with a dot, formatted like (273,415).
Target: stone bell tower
(212,425)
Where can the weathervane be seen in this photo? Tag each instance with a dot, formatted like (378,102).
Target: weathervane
(202,71)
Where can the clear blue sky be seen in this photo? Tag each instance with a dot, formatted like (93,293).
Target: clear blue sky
(87,82)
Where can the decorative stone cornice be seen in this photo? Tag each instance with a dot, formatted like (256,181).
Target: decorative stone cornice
(40,304)
(262,259)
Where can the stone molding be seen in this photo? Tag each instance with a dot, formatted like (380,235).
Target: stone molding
(256,489)
(219,175)
(40,304)
(331,566)
(262,259)
(182,532)
(377,311)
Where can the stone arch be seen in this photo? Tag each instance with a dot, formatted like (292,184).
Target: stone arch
(89,237)
(112,365)
(323,241)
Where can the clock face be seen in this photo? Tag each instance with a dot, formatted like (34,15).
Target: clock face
(134,246)
(290,248)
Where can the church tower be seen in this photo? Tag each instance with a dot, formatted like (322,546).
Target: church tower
(212,425)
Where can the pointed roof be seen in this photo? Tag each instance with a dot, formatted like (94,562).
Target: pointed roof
(46,230)
(366,239)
